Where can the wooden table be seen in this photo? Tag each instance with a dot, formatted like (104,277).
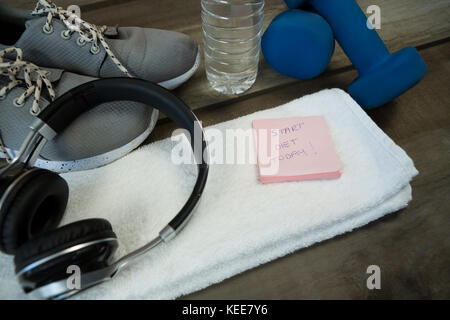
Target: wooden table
(412,246)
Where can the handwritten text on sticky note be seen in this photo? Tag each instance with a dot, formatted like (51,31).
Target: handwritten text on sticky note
(295,149)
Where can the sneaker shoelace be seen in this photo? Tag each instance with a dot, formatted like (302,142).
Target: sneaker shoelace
(87,31)
(4,151)
(11,68)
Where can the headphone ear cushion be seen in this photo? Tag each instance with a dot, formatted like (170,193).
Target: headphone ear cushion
(62,238)
(35,205)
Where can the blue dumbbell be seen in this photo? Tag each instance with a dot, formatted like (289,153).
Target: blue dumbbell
(382,76)
(298,44)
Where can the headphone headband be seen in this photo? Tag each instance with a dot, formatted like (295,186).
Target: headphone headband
(67,108)
(64,110)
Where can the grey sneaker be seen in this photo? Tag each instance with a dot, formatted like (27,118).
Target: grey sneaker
(49,38)
(98,137)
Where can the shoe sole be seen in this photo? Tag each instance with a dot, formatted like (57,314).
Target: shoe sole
(100,160)
(177,81)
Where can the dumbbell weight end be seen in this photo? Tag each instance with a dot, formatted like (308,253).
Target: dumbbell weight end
(382,76)
(396,75)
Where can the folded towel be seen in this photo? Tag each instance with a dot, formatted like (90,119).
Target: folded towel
(240,223)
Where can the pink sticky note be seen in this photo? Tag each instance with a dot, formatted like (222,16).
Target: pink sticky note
(290,149)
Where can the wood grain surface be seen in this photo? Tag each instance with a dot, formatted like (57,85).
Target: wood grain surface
(412,246)
(404,22)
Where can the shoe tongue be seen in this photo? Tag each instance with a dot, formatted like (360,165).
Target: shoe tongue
(33,18)
(112,31)
(29,21)
(4,80)
(53,74)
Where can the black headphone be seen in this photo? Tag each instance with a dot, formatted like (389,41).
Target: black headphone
(33,201)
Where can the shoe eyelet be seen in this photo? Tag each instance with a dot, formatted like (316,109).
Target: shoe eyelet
(48,30)
(95,49)
(65,35)
(81,42)
(17,104)
(3,97)
(33,113)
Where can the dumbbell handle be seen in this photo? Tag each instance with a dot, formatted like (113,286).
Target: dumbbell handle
(362,45)
(382,76)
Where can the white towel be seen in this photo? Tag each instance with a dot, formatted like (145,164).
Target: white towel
(240,223)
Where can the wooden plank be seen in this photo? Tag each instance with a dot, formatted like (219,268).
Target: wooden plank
(399,118)
(411,246)
(84,4)
(404,22)
(30,4)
